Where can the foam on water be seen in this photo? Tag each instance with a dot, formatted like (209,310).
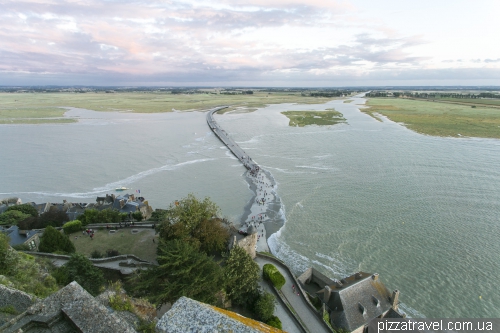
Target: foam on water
(123,182)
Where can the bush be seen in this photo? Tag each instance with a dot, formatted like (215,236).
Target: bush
(315,301)
(72,226)
(118,300)
(96,254)
(21,247)
(146,326)
(264,307)
(9,309)
(274,322)
(4,252)
(271,273)
(112,253)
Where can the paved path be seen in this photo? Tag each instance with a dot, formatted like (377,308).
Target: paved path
(60,260)
(310,319)
(230,143)
(288,323)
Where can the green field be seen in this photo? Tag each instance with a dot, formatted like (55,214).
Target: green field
(438,119)
(472,101)
(26,107)
(322,118)
(140,244)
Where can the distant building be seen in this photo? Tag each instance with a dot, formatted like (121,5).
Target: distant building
(7,202)
(18,237)
(353,301)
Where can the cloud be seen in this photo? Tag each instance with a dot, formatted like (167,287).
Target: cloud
(188,40)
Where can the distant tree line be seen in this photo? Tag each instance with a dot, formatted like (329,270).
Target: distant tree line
(430,95)
(336,93)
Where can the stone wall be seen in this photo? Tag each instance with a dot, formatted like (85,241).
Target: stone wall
(248,244)
(18,299)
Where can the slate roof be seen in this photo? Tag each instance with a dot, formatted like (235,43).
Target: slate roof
(356,300)
(16,238)
(187,315)
(130,207)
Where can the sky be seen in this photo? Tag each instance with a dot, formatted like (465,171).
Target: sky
(307,43)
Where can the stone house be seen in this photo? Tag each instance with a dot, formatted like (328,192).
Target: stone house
(354,301)
(28,237)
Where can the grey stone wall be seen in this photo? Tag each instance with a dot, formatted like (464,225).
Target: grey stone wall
(18,299)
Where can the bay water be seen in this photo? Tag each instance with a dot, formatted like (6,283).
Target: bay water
(422,211)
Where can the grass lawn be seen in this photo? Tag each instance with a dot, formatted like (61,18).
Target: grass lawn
(140,244)
(304,118)
(19,107)
(438,119)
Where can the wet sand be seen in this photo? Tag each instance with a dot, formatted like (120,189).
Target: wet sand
(263,211)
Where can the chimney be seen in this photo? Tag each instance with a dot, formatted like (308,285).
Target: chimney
(327,294)
(362,309)
(375,277)
(395,299)
(122,203)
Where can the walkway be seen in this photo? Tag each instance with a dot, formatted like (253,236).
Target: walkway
(230,143)
(288,323)
(308,317)
(312,322)
(125,263)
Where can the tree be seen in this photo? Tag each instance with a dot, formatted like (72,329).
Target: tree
(108,216)
(53,240)
(212,235)
(80,269)
(264,306)
(137,216)
(12,217)
(158,215)
(24,208)
(241,274)
(53,218)
(93,216)
(89,216)
(182,271)
(29,223)
(189,212)
(196,222)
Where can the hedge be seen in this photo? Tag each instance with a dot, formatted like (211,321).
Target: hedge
(274,322)
(271,273)
(72,226)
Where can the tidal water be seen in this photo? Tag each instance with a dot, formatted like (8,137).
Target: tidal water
(422,211)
